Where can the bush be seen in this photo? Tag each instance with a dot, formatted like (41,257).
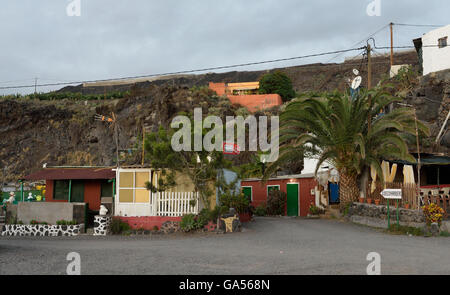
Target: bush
(276,202)
(261,210)
(190,222)
(155,228)
(118,226)
(277,82)
(314,210)
(66,222)
(239,202)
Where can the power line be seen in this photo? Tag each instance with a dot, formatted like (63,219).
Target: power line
(184,72)
(363,40)
(417,25)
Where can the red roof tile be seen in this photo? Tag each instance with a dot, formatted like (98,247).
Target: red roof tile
(72,173)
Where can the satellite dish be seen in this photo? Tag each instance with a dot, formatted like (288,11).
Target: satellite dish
(356,82)
(356,72)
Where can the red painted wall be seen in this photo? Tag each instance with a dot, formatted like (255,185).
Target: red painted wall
(147,222)
(256,102)
(92,192)
(253,102)
(259,191)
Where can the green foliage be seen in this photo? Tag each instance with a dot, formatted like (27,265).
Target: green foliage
(237,201)
(347,208)
(155,228)
(277,82)
(444,234)
(276,202)
(190,222)
(200,166)
(261,210)
(66,222)
(118,226)
(314,210)
(68,95)
(405,230)
(335,129)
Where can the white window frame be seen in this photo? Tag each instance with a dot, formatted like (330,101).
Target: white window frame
(134,188)
(271,185)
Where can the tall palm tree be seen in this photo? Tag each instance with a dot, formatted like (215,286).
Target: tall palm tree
(335,129)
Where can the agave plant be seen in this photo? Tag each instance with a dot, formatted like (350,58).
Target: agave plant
(335,129)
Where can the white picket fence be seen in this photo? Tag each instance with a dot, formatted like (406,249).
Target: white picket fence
(175,204)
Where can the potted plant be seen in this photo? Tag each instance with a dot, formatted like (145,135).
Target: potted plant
(433,216)
(406,205)
(377,201)
(369,200)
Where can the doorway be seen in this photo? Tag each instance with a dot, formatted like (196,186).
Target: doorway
(292,190)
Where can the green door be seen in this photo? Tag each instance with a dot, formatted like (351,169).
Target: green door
(247,191)
(77,195)
(292,199)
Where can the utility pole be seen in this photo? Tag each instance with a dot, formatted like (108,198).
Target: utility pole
(35,85)
(369,85)
(418,160)
(392,44)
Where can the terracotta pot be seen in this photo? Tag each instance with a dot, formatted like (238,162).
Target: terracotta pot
(406,206)
(361,200)
(377,202)
(369,201)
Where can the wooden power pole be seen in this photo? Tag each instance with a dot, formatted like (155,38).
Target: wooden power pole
(391,25)
(369,85)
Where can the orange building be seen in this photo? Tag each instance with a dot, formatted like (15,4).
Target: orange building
(246,95)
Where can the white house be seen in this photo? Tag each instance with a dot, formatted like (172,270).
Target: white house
(434,50)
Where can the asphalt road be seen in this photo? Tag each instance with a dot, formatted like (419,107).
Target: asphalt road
(266,246)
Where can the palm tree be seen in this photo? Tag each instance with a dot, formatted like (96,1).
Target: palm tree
(335,129)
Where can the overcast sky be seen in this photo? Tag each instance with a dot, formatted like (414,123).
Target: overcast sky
(113,38)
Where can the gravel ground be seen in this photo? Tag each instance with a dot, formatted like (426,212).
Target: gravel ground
(266,246)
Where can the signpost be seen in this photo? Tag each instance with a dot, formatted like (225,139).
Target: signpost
(395,194)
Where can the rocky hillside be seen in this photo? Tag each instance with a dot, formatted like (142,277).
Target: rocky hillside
(312,77)
(64,132)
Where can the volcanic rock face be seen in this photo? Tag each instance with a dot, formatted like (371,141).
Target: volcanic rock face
(431,99)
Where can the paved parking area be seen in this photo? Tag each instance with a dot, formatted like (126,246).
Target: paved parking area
(266,246)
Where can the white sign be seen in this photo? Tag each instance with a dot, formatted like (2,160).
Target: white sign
(392,194)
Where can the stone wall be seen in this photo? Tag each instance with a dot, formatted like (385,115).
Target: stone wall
(41,230)
(49,212)
(376,215)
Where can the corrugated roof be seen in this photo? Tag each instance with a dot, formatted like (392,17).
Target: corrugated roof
(295,176)
(72,173)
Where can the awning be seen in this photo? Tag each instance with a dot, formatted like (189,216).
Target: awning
(72,173)
(426,159)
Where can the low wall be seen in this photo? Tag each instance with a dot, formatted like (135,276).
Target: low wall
(41,230)
(376,215)
(47,212)
(147,222)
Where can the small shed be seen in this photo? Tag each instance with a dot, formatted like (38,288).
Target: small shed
(300,190)
(77,185)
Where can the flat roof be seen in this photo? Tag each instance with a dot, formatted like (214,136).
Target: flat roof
(72,173)
(283,177)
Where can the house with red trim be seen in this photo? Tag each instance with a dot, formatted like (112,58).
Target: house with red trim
(300,191)
(77,184)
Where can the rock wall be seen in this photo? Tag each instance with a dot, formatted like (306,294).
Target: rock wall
(376,215)
(41,230)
